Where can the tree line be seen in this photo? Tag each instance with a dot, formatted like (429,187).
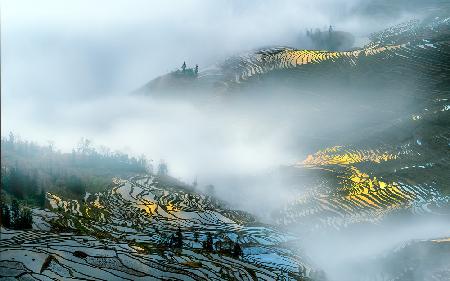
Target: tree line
(219,246)
(29,170)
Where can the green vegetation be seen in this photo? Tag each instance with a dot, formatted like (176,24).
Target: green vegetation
(331,40)
(29,170)
(176,240)
(186,72)
(208,243)
(15,216)
(162,169)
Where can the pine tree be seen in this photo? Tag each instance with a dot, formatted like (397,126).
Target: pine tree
(15,213)
(16,182)
(208,244)
(178,239)
(5,218)
(162,169)
(237,250)
(42,198)
(26,219)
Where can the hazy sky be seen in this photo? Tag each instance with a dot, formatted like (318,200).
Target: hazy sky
(95,47)
(69,66)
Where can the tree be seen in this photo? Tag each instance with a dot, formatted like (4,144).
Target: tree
(237,250)
(51,145)
(150,167)
(12,138)
(210,190)
(162,169)
(21,219)
(73,157)
(42,198)
(5,216)
(143,163)
(332,40)
(15,213)
(26,219)
(16,182)
(84,146)
(208,243)
(76,186)
(178,239)
(196,236)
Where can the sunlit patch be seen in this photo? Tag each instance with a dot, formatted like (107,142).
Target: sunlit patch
(171,208)
(97,204)
(372,192)
(359,196)
(361,188)
(443,240)
(138,249)
(149,208)
(287,58)
(339,155)
(87,211)
(54,200)
(72,206)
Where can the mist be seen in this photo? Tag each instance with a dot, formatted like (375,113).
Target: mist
(114,47)
(361,253)
(69,68)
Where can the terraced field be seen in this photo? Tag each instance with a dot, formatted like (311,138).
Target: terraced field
(400,168)
(396,164)
(125,234)
(343,194)
(418,46)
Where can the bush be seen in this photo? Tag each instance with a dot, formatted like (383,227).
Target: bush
(16,217)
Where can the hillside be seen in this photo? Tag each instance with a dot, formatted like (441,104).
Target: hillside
(404,50)
(381,118)
(370,128)
(128,232)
